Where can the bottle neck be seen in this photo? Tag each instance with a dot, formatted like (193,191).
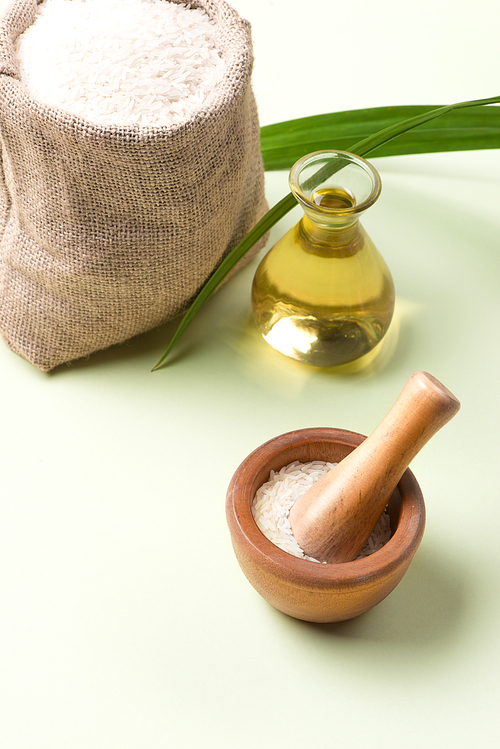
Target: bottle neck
(342,239)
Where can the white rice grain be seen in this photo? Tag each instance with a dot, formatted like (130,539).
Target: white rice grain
(274,500)
(143,62)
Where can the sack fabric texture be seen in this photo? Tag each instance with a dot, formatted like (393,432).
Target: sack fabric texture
(109,231)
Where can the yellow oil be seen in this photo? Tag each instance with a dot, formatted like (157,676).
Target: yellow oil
(333,198)
(324,297)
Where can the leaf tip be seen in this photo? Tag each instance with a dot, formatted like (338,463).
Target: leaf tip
(159,363)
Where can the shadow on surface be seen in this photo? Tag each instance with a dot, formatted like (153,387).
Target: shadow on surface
(147,347)
(425,610)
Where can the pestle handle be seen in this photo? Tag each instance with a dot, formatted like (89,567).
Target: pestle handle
(333,520)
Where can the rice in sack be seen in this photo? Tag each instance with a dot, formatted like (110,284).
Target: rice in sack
(120,199)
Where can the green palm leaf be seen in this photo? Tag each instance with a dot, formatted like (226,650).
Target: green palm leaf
(360,132)
(460,130)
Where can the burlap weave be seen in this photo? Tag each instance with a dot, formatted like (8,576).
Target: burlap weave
(110,231)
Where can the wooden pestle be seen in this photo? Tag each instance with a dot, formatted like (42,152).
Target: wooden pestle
(333,520)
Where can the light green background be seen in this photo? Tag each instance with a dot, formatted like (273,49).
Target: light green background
(125,622)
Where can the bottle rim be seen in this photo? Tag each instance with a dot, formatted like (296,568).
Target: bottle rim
(303,189)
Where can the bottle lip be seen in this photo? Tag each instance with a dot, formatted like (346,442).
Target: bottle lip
(303,189)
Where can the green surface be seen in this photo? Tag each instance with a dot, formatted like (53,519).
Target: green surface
(125,622)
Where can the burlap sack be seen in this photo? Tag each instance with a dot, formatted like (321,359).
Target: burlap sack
(110,231)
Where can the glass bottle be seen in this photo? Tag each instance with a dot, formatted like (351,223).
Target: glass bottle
(323,294)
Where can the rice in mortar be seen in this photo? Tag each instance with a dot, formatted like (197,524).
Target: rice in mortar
(274,500)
